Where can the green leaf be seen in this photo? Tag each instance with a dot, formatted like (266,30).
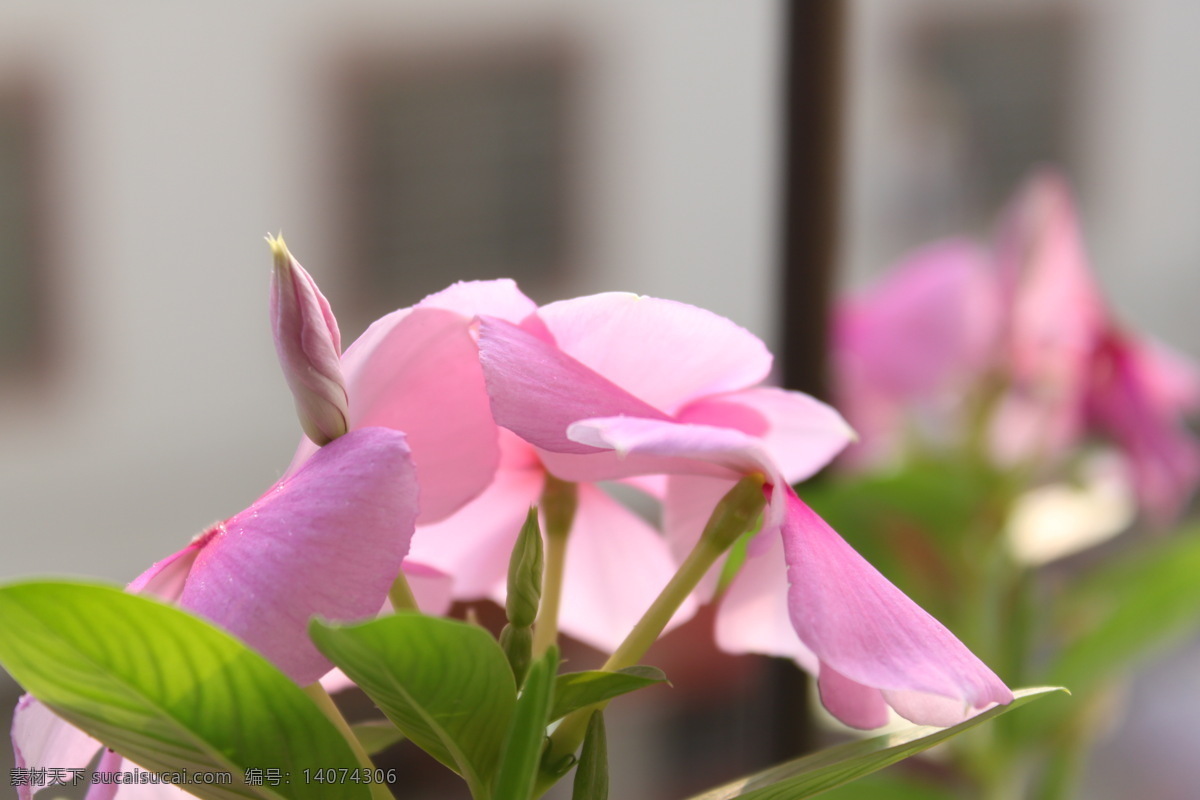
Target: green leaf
(523,745)
(165,689)
(1135,605)
(835,766)
(575,690)
(591,776)
(446,685)
(376,735)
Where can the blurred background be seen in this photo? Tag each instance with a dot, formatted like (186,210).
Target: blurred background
(146,148)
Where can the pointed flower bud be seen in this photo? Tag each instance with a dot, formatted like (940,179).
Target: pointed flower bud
(309,347)
(525,574)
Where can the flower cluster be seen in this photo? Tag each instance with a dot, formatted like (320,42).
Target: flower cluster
(430,437)
(1014,345)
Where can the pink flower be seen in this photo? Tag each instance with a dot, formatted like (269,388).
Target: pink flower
(906,350)
(1073,371)
(309,346)
(417,370)
(327,540)
(618,386)
(1025,323)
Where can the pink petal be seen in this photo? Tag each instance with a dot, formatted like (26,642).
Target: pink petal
(432,588)
(616,566)
(537,390)
(799,433)
(866,630)
(852,703)
(474,544)
(42,739)
(932,321)
(423,378)
(1125,401)
(1055,312)
(647,446)
(663,352)
(498,298)
(326,541)
(753,617)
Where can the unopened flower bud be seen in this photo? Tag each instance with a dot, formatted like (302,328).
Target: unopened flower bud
(309,347)
(525,574)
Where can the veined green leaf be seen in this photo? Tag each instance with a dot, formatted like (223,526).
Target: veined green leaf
(376,735)
(444,683)
(166,689)
(574,690)
(835,766)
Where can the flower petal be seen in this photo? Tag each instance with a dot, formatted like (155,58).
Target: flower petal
(422,377)
(537,390)
(799,433)
(852,703)
(868,631)
(474,544)
(327,540)
(664,352)
(616,566)
(42,739)
(753,617)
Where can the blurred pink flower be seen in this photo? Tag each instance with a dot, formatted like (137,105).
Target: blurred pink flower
(1073,372)
(906,349)
(327,540)
(1026,322)
(619,386)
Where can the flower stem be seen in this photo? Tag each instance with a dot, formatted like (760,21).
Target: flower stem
(732,517)
(558,503)
(401,594)
(318,695)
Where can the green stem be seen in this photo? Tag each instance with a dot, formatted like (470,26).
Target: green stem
(318,695)
(401,595)
(558,503)
(731,518)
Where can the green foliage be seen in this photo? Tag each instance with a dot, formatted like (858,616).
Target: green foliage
(575,690)
(819,772)
(591,776)
(376,735)
(165,689)
(523,745)
(444,683)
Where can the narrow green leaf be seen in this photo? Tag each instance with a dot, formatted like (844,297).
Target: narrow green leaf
(166,689)
(835,766)
(574,690)
(591,776)
(446,685)
(376,735)
(523,745)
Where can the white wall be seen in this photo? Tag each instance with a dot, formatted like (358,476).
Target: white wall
(181,133)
